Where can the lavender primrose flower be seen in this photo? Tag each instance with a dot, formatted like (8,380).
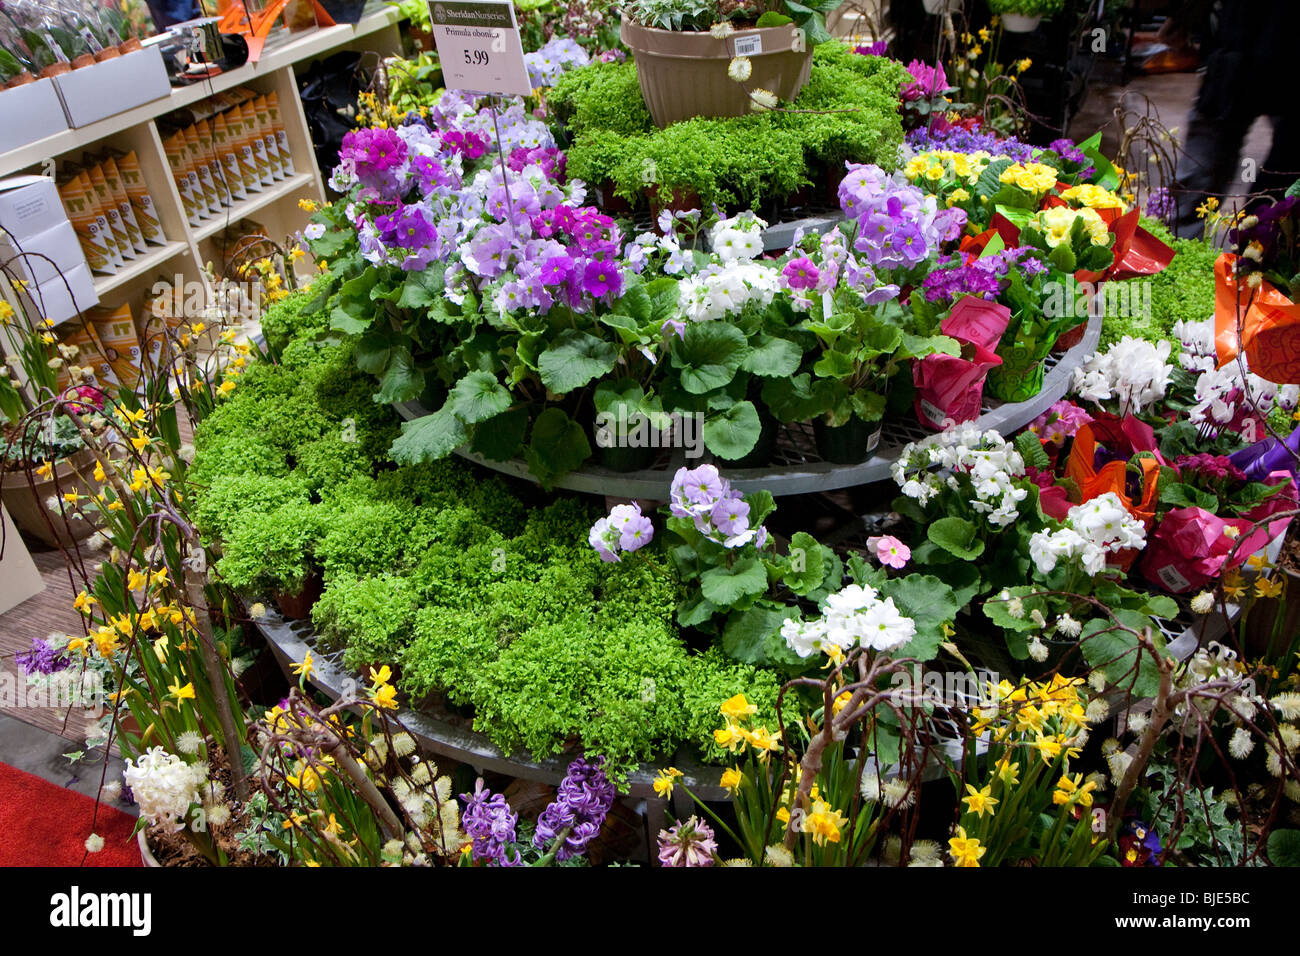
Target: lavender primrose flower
(42,659)
(689,843)
(490,823)
(961,140)
(718,511)
(581,803)
(624,529)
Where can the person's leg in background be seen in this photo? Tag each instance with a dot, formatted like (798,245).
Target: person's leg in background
(1211,142)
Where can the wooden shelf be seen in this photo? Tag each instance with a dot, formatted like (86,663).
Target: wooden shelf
(247,207)
(140,266)
(282,51)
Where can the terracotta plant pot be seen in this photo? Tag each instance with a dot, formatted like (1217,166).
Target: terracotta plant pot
(130,45)
(83,61)
(108,53)
(684,73)
(422,40)
(26,502)
(56,69)
(1259,627)
(1019,23)
(22,79)
(297,607)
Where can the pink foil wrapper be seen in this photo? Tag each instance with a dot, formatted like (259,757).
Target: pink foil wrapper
(949,388)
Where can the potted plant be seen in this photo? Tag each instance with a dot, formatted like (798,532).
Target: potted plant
(721,57)
(1023,16)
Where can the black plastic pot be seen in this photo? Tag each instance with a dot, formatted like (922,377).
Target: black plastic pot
(623,459)
(849,444)
(761,453)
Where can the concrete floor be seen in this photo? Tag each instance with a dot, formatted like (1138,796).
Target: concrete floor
(40,752)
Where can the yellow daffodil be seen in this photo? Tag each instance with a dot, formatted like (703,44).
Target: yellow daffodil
(980,802)
(84,602)
(1269,589)
(665,781)
(225,388)
(734,708)
(731,779)
(729,737)
(384,697)
(181,693)
(304,669)
(824,823)
(966,851)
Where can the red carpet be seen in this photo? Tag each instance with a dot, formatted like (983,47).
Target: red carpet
(45,825)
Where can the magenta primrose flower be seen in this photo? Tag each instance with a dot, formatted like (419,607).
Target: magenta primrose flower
(801,273)
(889,551)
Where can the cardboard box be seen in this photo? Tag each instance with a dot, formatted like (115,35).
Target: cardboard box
(19,578)
(30,113)
(61,300)
(105,89)
(48,253)
(29,205)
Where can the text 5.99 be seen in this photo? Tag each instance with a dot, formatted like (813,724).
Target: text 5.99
(476,57)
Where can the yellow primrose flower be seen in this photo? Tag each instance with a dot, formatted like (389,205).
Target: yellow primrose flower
(1094,197)
(308,205)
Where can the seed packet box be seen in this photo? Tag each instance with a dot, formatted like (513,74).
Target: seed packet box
(105,89)
(41,257)
(30,113)
(29,206)
(60,299)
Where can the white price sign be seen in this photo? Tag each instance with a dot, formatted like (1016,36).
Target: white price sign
(479,47)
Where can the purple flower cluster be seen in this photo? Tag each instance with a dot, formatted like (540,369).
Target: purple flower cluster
(41,659)
(373,153)
(490,823)
(580,806)
(549,159)
(898,224)
(1274,226)
(718,510)
(689,843)
(962,274)
(1072,156)
(1160,204)
(557,55)
(468,143)
(625,529)
(873,49)
(962,140)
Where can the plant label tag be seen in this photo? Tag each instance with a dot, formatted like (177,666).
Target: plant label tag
(751,45)
(479,47)
(1173,579)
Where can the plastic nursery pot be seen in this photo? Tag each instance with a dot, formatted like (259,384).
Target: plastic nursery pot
(1069,339)
(761,453)
(25,501)
(297,606)
(683,73)
(1015,380)
(1020,23)
(848,444)
(1262,622)
(621,458)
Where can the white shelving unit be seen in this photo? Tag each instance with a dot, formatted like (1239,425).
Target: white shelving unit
(189,247)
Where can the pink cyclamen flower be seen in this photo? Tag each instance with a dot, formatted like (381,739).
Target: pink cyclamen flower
(801,273)
(889,551)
